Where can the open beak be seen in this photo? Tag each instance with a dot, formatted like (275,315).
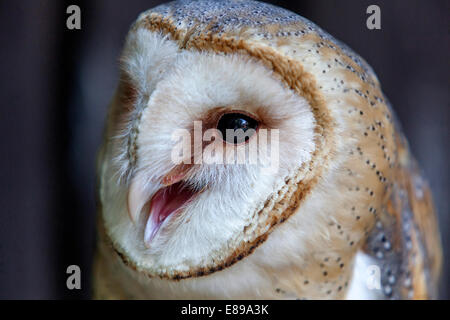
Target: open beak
(167,201)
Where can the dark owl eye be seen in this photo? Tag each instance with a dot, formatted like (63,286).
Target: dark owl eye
(236,127)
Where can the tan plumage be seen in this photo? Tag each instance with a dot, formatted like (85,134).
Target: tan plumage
(356,186)
(407,228)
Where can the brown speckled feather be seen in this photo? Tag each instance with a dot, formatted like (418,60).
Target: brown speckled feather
(405,241)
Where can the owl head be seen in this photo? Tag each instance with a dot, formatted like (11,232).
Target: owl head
(230,118)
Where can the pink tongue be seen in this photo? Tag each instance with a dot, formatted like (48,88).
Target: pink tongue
(163,203)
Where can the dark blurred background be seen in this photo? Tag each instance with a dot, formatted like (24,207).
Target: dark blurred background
(56,84)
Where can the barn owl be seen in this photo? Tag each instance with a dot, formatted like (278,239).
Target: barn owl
(343,213)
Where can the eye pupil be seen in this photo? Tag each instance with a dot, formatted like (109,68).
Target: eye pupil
(235,127)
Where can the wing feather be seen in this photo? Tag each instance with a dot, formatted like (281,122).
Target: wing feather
(405,241)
